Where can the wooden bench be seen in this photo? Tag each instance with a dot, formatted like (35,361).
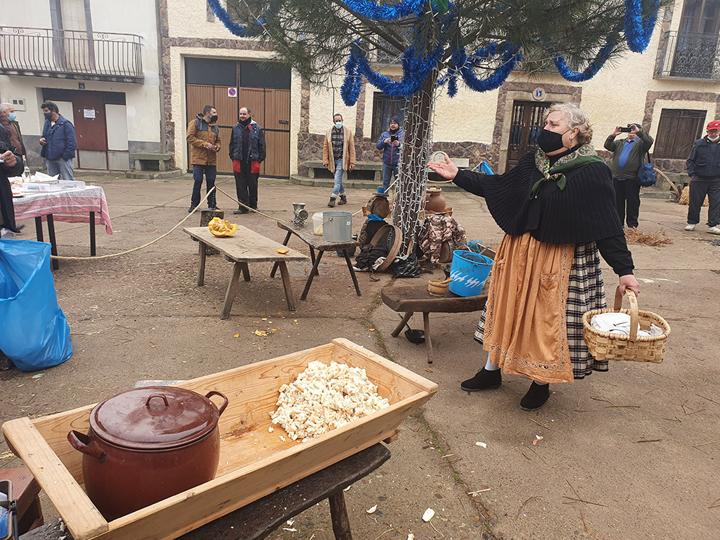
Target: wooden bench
(375,167)
(141,162)
(244,248)
(409,299)
(260,518)
(316,242)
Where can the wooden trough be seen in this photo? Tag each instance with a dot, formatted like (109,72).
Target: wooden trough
(253,462)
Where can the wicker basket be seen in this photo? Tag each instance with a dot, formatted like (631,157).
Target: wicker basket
(612,346)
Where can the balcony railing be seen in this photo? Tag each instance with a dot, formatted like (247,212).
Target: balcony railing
(691,56)
(71,54)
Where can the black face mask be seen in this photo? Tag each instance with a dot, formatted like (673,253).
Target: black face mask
(213,118)
(48,115)
(549,141)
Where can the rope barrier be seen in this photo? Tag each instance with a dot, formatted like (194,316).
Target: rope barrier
(183,220)
(147,244)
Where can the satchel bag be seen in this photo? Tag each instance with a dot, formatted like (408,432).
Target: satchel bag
(647,174)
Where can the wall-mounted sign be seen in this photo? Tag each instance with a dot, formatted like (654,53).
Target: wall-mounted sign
(232,92)
(538,94)
(89,113)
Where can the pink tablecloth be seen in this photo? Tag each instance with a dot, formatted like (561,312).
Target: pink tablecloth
(72,206)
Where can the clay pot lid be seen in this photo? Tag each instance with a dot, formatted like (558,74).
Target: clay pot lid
(154,418)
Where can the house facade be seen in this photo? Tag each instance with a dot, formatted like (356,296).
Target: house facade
(143,86)
(98,61)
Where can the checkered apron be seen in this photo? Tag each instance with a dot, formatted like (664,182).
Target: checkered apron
(585,292)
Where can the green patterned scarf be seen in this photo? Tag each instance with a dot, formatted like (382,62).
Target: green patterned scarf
(582,156)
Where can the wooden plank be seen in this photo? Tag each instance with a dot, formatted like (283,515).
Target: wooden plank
(253,461)
(246,246)
(67,495)
(415,298)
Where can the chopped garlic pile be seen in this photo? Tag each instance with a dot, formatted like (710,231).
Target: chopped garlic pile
(325,397)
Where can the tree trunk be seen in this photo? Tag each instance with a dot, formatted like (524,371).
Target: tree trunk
(412,172)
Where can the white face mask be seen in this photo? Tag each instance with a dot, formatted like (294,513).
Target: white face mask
(338,125)
(714,139)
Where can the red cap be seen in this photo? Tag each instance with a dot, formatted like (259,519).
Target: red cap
(715,124)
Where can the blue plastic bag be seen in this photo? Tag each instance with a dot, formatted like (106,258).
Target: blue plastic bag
(34,333)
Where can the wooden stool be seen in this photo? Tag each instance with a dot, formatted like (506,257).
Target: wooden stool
(410,299)
(25,490)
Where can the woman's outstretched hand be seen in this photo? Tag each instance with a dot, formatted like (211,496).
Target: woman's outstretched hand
(446,168)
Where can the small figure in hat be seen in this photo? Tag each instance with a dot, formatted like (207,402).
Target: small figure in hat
(703,167)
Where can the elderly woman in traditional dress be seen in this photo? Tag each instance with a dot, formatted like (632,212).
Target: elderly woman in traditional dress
(557,209)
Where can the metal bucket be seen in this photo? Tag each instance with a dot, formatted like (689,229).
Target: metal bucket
(337,226)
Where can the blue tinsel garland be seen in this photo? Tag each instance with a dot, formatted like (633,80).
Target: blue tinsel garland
(237,29)
(416,69)
(593,67)
(638,31)
(371,10)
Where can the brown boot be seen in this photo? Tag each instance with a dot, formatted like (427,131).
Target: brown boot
(331,202)
(343,199)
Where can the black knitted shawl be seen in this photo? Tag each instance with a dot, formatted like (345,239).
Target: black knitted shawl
(582,212)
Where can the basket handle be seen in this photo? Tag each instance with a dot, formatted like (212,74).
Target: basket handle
(634,317)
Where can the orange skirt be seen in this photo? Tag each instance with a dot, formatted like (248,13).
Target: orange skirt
(525,327)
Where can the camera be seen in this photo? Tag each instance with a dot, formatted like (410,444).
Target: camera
(625,129)
(393,138)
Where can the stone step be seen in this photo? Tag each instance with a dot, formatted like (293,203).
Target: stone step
(151,175)
(351,184)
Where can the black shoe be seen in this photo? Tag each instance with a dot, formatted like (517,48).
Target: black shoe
(213,208)
(331,202)
(483,380)
(191,209)
(536,397)
(343,199)
(240,211)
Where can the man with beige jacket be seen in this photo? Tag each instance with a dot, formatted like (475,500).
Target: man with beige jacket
(338,157)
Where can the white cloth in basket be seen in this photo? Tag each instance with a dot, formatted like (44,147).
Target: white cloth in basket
(619,323)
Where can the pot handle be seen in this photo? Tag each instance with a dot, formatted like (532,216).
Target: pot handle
(83,443)
(222,407)
(161,396)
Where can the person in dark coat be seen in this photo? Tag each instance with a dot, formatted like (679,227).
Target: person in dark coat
(11,165)
(557,210)
(58,142)
(703,166)
(247,152)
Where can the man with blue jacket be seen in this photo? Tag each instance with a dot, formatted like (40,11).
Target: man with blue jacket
(58,142)
(389,142)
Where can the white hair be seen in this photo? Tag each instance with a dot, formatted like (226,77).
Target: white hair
(5,107)
(576,118)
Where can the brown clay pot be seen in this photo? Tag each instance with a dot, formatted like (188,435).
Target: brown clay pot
(435,200)
(147,444)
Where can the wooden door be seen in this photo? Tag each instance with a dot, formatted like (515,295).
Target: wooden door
(90,124)
(227,108)
(277,132)
(527,121)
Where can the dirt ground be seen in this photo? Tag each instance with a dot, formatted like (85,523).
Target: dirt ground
(632,453)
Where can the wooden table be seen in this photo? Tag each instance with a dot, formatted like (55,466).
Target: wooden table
(73,205)
(259,519)
(409,299)
(316,242)
(244,248)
